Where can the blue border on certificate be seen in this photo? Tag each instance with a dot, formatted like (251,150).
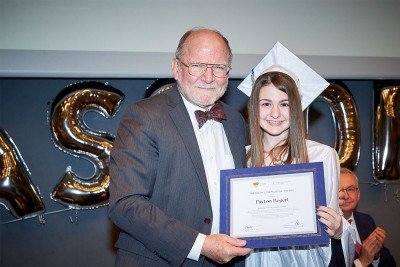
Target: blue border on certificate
(318,238)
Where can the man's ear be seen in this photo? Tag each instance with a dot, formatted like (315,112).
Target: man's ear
(175,68)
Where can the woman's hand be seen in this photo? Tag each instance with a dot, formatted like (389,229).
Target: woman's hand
(332,220)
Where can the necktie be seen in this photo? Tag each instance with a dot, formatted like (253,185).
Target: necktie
(358,245)
(358,248)
(215,113)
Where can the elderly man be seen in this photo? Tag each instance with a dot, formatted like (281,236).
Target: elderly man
(369,250)
(166,159)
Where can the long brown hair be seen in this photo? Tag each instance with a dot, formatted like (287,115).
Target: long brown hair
(295,144)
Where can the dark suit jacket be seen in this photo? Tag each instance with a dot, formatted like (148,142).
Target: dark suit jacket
(365,226)
(158,189)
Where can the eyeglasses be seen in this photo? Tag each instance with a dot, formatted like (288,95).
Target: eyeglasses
(349,190)
(198,69)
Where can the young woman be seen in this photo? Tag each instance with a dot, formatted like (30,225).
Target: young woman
(278,136)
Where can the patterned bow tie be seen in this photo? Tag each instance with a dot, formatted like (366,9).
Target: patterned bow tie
(215,113)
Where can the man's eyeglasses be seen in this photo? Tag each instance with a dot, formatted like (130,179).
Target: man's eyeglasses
(198,69)
(349,190)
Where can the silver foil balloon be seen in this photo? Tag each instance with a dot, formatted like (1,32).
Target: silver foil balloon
(386,134)
(345,116)
(159,86)
(17,192)
(71,134)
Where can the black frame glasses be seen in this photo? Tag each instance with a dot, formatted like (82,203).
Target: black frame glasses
(349,190)
(198,69)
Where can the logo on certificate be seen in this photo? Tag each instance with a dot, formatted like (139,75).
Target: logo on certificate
(255,184)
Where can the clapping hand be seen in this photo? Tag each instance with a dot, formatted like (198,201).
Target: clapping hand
(371,246)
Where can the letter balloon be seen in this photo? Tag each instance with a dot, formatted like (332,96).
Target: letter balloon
(386,134)
(159,86)
(345,116)
(72,135)
(17,192)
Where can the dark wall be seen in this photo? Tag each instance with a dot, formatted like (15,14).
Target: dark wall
(88,239)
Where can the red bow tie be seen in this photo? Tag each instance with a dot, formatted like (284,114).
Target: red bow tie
(215,113)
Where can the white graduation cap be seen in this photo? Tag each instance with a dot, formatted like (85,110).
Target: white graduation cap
(279,58)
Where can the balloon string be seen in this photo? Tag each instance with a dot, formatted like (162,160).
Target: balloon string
(385,190)
(371,183)
(72,220)
(42,220)
(41,216)
(397,195)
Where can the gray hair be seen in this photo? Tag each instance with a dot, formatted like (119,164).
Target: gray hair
(179,53)
(345,170)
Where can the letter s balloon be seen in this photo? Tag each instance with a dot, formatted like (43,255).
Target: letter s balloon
(72,135)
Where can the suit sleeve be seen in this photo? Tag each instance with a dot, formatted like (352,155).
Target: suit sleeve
(133,171)
(386,259)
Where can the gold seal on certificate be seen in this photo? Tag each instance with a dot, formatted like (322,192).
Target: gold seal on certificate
(274,206)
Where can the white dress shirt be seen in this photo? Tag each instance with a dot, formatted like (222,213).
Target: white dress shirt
(216,155)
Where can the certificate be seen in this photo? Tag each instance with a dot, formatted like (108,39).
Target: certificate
(274,206)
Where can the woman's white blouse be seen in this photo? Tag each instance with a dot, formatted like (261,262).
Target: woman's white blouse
(312,255)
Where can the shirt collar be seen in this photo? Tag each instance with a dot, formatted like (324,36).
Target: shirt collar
(351,218)
(191,108)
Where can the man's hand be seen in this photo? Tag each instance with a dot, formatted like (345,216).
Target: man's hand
(222,248)
(332,220)
(380,235)
(371,246)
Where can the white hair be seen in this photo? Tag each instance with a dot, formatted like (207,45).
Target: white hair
(345,170)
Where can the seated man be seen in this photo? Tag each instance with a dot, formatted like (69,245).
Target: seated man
(369,250)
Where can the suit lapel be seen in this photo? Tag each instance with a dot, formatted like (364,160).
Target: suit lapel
(181,119)
(361,227)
